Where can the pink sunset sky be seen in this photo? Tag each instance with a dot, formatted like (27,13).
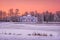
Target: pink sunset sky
(30,5)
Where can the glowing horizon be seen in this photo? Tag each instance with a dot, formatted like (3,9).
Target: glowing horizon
(30,5)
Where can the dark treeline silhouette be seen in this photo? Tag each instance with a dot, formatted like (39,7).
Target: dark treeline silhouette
(14,16)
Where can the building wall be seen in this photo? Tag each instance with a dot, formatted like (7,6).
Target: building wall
(29,19)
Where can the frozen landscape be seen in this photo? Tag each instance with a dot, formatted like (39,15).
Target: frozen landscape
(18,31)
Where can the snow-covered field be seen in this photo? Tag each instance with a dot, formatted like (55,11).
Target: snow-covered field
(17,31)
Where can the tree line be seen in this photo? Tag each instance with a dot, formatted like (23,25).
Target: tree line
(42,17)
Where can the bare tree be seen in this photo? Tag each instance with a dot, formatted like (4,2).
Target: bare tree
(1,15)
(58,15)
(11,14)
(16,12)
(4,16)
(46,16)
(16,15)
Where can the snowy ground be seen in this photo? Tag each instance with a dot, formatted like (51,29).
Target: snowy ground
(21,31)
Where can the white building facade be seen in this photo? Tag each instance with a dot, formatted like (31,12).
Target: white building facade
(29,19)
